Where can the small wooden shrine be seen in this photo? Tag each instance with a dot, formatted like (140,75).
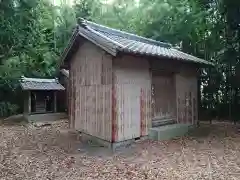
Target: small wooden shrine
(40,97)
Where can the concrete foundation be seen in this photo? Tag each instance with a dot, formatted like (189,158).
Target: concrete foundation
(103,143)
(45,117)
(169,131)
(157,133)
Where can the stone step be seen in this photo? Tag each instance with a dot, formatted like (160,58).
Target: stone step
(46,117)
(162,122)
(168,131)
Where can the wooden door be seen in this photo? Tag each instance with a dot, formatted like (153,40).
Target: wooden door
(163,96)
(128,111)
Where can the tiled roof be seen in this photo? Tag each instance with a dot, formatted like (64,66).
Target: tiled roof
(115,41)
(40,84)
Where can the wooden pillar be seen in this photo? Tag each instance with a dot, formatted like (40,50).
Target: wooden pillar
(198,101)
(26,103)
(177,99)
(55,101)
(29,102)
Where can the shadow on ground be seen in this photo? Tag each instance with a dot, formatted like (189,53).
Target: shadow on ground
(13,120)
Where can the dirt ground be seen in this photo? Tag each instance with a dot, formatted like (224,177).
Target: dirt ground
(51,152)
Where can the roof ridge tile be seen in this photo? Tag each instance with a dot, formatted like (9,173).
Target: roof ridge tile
(124,34)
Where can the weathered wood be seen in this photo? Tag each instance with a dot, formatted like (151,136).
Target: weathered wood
(133,95)
(186,91)
(55,101)
(164,95)
(111,98)
(27,103)
(91,70)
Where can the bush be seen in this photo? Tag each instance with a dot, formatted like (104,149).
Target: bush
(8,109)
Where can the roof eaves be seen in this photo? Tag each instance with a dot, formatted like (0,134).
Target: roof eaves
(23,79)
(30,84)
(169,57)
(194,58)
(69,45)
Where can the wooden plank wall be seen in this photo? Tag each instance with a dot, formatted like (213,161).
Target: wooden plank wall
(164,95)
(91,91)
(186,100)
(185,90)
(132,86)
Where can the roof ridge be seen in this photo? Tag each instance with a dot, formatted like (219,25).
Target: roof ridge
(94,26)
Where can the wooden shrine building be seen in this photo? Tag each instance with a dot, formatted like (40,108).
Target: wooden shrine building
(122,86)
(41,98)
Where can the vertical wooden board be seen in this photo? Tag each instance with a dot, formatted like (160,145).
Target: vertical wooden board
(128,108)
(145,110)
(164,95)
(118,96)
(101,111)
(124,118)
(129,115)
(106,117)
(98,114)
(93,110)
(190,119)
(79,97)
(124,111)
(119,112)
(89,103)
(105,113)
(137,121)
(109,113)
(131,76)
(69,99)
(149,110)
(195,115)
(73,98)
(83,117)
(82,108)
(186,87)
(115,113)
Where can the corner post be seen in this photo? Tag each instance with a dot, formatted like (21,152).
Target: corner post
(55,102)
(29,102)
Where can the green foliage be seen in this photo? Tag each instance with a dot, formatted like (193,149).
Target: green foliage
(27,45)
(7,109)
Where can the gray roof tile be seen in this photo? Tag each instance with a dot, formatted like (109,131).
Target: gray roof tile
(126,42)
(40,84)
